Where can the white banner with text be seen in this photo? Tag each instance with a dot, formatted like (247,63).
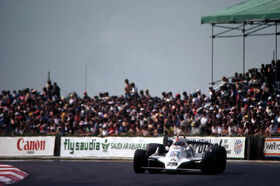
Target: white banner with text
(27,146)
(235,146)
(272,147)
(107,147)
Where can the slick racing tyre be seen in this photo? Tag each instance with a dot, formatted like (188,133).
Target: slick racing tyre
(214,160)
(139,161)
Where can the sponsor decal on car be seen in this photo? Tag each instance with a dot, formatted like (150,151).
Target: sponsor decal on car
(172,164)
(175,154)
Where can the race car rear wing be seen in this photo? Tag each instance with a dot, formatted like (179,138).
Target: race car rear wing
(167,141)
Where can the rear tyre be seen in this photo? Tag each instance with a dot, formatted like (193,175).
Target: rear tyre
(214,160)
(139,161)
(221,159)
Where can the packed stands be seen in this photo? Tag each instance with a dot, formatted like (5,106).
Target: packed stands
(243,105)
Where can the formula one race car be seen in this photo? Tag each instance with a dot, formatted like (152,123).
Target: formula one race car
(179,155)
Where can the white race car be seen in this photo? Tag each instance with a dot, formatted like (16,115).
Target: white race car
(180,155)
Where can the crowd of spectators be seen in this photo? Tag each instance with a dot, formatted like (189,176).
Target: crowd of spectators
(243,105)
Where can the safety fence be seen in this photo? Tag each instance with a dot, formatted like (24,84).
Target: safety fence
(251,148)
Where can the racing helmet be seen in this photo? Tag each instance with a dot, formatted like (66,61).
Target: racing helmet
(179,142)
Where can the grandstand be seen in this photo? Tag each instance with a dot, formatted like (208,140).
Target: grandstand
(248,104)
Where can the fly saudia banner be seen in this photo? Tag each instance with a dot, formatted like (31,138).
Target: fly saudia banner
(119,147)
(27,146)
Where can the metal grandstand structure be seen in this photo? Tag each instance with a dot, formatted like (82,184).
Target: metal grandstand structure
(249,18)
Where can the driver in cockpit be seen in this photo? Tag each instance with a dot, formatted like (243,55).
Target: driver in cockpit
(182,142)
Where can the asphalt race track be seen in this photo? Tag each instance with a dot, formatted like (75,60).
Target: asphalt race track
(112,173)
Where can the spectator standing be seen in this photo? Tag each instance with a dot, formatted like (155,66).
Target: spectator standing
(127,88)
(134,90)
(56,89)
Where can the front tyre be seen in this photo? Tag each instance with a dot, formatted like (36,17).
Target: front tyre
(139,161)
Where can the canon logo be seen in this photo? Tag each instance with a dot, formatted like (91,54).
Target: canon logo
(31,145)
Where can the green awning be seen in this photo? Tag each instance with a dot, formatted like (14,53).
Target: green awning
(248,11)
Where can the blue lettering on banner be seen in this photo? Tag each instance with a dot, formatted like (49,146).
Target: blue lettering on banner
(238,146)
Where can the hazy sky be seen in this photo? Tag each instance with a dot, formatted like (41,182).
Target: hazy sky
(158,44)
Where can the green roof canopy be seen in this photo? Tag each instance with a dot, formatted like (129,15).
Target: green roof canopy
(248,11)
